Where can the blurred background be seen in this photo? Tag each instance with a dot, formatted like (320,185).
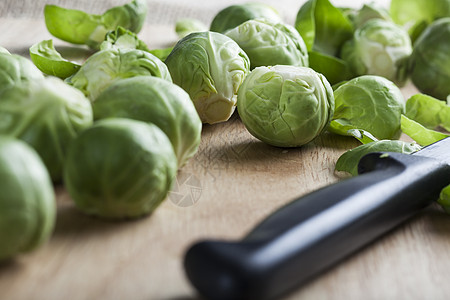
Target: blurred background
(163,11)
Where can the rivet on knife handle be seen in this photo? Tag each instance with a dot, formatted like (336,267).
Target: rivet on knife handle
(318,230)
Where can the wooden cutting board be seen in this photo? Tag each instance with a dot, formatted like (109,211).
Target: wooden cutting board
(232,183)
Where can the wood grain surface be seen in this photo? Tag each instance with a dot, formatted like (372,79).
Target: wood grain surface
(232,183)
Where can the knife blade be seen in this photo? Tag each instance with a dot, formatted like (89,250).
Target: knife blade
(316,231)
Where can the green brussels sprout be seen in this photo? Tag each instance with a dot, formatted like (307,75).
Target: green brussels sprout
(210,67)
(154,100)
(379,48)
(370,11)
(235,15)
(78,27)
(27,200)
(430,60)
(120,168)
(186,26)
(371,103)
(106,66)
(47,114)
(285,106)
(123,38)
(268,44)
(50,62)
(15,69)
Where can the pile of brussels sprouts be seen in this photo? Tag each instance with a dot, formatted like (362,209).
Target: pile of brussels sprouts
(115,129)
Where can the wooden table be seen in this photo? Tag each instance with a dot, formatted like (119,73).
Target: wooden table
(232,183)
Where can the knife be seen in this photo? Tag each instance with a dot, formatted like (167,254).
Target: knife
(314,232)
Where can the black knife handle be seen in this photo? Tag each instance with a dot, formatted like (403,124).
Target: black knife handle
(314,232)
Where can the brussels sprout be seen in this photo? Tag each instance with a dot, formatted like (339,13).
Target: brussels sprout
(285,106)
(186,26)
(78,27)
(123,38)
(430,61)
(15,69)
(423,136)
(27,200)
(371,103)
(50,62)
(379,48)
(371,11)
(210,67)
(106,66)
(156,101)
(120,168)
(47,114)
(235,15)
(268,44)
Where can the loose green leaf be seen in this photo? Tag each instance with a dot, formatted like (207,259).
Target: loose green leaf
(305,23)
(348,162)
(50,62)
(323,27)
(363,136)
(334,69)
(420,134)
(79,27)
(411,12)
(428,111)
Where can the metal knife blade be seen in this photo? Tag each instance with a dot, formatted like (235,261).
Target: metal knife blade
(439,150)
(316,231)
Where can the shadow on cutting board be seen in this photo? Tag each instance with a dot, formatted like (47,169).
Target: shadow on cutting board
(70,222)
